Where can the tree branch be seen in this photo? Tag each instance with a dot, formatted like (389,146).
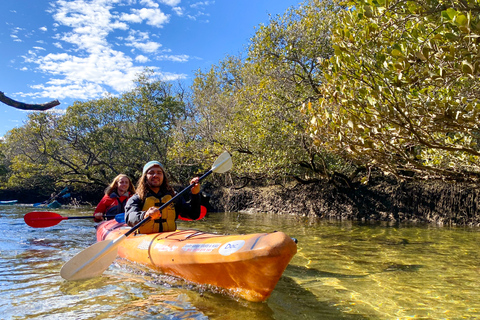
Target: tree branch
(26,106)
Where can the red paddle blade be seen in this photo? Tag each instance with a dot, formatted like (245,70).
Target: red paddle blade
(42,219)
(203,212)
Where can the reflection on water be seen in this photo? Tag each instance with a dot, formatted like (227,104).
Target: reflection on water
(341,271)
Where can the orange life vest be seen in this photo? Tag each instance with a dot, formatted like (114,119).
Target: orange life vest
(166,222)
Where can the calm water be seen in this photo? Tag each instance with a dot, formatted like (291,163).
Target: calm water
(341,271)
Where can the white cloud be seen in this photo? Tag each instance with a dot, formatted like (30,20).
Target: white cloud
(90,23)
(141,41)
(57,111)
(134,18)
(15,33)
(87,65)
(86,77)
(148,47)
(135,35)
(141,58)
(149,3)
(200,7)
(154,17)
(84,91)
(174,58)
(178,11)
(167,76)
(202,4)
(171,3)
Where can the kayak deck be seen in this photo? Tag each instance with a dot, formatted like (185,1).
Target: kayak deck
(248,266)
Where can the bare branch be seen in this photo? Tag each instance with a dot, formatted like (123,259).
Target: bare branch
(26,106)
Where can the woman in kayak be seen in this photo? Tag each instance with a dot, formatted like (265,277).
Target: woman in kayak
(115,198)
(152,191)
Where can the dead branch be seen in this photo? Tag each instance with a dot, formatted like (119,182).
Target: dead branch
(27,106)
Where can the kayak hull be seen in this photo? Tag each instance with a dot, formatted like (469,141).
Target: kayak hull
(8,201)
(52,205)
(248,266)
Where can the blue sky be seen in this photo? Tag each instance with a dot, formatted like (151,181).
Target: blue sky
(81,49)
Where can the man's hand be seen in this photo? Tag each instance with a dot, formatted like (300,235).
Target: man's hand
(196,188)
(153,213)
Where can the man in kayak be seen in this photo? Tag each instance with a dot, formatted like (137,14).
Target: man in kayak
(152,191)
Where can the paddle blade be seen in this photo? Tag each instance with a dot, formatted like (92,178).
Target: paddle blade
(223,163)
(63,190)
(42,219)
(203,212)
(92,261)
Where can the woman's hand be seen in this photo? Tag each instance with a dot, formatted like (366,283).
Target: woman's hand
(98,216)
(153,213)
(196,188)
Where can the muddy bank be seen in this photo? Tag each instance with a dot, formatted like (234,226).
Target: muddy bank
(381,200)
(425,202)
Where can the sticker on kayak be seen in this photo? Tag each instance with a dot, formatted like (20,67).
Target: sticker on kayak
(144,245)
(200,247)
(164,248)
(231,247)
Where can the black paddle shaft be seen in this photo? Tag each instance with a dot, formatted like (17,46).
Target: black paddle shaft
(88,217)
(138,225)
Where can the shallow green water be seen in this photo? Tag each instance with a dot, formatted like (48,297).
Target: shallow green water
(341,271)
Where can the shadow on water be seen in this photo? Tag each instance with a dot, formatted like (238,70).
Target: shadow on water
(304,272)
(292,301)
(402,267)
(289,295)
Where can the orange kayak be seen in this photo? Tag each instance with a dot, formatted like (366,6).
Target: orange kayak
(248,266)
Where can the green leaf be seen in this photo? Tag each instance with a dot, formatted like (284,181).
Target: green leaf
(420,56)
(461,20)
(467,68)
(368,11)
(396,52)
(450,13)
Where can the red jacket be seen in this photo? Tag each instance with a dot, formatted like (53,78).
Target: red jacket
(111,205)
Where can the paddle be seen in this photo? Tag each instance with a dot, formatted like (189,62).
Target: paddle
(203,211)
(94,260)
(45,219)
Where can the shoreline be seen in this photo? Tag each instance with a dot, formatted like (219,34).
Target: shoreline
(433,202)
(382,200)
